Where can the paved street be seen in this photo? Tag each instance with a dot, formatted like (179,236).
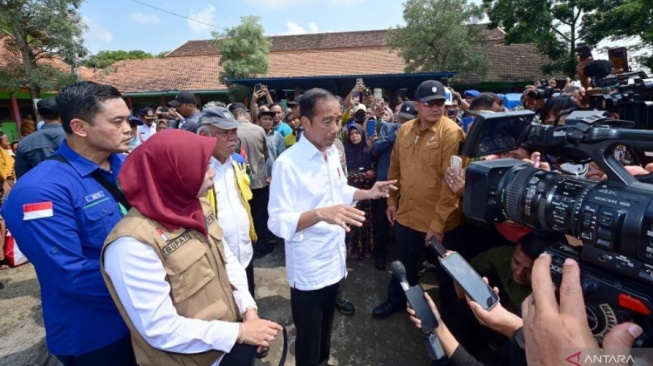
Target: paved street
(358,340)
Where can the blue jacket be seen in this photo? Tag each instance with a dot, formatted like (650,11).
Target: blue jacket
(65,247)
(382,148)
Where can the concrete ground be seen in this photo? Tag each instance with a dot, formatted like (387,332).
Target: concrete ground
(357,340)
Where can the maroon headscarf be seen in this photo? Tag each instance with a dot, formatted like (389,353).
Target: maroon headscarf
(162,177)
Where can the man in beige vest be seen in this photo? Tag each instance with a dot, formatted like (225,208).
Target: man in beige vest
(174,280)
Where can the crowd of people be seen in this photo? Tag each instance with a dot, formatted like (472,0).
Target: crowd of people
(144,248)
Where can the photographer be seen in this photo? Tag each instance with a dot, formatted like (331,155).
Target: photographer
(552,109)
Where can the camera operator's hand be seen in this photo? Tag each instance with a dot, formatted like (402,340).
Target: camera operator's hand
(342,215)
(580,70)
(554,332)
(498,318)
(536,160)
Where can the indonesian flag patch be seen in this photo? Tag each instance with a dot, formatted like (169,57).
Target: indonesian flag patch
(39,210)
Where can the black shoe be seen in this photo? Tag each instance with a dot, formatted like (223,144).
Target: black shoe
(385,310)
(345,307)
(263,353)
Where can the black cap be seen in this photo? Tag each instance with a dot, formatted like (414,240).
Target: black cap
(220,117)
(147,113)
(182,98)
(295,101)
(430,90)
(408,110)
(266,113)
(47,105)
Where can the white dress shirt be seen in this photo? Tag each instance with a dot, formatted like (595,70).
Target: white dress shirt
(145,132)
(232,215)
(302,181)
(139,280)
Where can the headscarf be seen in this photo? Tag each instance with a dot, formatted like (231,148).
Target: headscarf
(163,176)
(359,155)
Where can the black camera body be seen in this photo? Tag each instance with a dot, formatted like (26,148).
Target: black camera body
(544,91)
(613,218)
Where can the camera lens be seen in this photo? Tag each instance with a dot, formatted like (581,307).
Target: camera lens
(543,199)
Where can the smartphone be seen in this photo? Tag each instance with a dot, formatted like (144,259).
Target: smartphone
(473,285)
(619,58)
(164,109)
(371,127)
(356,97)
(359,81)
(583,51)
(378,93)
(257,87)
(456,163)
(423,312)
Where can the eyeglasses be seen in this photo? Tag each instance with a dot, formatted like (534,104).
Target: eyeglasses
(433,103)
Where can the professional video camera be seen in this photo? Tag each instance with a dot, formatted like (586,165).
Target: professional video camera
(613,218)
(543,91)
(629,94)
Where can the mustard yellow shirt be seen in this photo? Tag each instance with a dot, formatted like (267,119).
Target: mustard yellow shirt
(418,163)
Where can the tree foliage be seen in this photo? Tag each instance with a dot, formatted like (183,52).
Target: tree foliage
(622,19)
(437,37)
(243,53)
(104,59)
(36,30)
(553,26)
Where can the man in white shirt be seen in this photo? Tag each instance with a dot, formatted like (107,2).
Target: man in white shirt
(148,128)
(231,191)
(311,207)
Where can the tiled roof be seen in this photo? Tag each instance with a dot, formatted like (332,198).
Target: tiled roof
(510,63)
(317,41)
(162,74)
(8,57)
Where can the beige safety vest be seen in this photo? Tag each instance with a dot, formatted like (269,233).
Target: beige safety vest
(195,268)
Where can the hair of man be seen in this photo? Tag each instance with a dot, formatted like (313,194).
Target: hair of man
(82,101)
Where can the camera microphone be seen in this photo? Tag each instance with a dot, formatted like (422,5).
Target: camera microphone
(399,272)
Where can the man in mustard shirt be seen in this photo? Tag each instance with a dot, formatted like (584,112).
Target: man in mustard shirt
(424,206)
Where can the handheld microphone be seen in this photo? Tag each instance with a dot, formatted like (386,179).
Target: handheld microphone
(399,272)
(423,312)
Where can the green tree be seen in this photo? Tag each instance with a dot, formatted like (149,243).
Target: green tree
(104,59)
(243,54)
(553,26)
(437,37)
(622,19)
(36,30)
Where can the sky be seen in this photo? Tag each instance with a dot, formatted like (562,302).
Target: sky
(133,25)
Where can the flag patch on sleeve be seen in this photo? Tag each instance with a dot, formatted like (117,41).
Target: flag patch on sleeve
(39,210)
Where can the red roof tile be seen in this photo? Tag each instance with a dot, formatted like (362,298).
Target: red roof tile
(510,63)
(316,41)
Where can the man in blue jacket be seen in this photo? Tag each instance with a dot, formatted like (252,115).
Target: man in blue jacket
(61,211)
(382,149)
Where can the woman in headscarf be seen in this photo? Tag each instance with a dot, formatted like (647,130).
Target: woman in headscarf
(361,174)
(177,285)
